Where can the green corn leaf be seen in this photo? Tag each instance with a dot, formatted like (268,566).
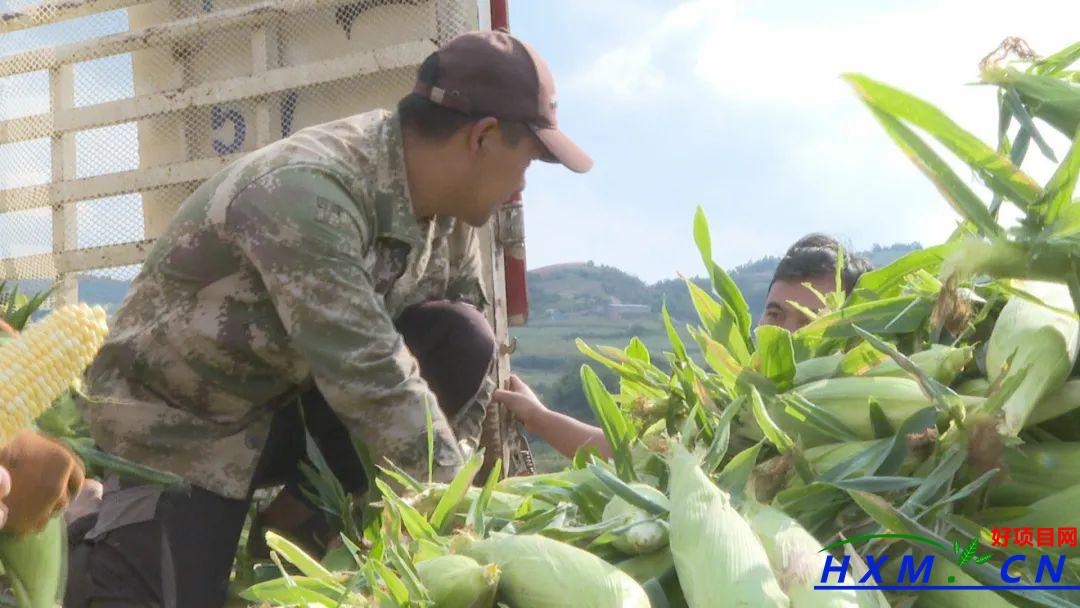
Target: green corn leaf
(1062,185)
(415,523)
(617,428)
(1027,124)
(878,420)
(898,315)
(1058,62)
(308,565)
(862,461)
(302,591)
(627,493)
(720,322)
(736,474)
(637,350)
(804,410)
(719,446)
(476,518)
(773,432)
(893,458)
(722,283)
(889,281)
(775,356)
(877,484)
(673,336)
(455,492)
(996,171)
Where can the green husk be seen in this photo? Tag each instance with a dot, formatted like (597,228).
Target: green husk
(942,363)
(457,581)
(795,557)
(718,558)
(647,566)
(36,565)
(1042,344)
(540,572)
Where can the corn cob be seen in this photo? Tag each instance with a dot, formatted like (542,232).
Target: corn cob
(718,559)
(42,363)
(456,581)
(541,572)
(645,536)
(1043,344)
(795,558)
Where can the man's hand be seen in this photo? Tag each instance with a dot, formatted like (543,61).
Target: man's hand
(522,402)
(44,476)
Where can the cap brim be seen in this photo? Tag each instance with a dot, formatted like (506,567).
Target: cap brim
(562,149)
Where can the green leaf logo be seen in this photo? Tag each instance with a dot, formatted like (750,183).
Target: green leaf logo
(970,553)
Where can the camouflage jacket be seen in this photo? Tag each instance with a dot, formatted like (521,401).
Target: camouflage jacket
(287,267)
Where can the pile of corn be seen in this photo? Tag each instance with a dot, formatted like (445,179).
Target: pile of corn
(939,399)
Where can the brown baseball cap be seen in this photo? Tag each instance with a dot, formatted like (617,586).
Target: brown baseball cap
(492,73)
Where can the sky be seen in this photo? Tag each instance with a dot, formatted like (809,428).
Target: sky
(739,107)
(736,106)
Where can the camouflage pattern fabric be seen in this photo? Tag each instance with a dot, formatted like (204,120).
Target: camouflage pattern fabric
(285,269)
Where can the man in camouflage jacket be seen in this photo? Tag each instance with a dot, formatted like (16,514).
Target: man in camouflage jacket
(330,280)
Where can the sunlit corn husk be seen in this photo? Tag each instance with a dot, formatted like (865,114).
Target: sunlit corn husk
(456,581)
(942,363)
(38,366)
(1043,345)
(795,557)
(718,558)
(35,565)
(541,572)
(648,534)
(848,400)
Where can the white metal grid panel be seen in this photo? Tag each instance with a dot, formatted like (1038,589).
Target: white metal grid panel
(112,111)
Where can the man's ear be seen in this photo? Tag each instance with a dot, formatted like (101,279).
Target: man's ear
(481,131)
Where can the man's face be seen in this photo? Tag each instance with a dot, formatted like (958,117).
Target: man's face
(780,313)
(500,173)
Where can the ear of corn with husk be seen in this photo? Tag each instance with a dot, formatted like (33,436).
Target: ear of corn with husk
(1042,345)
(719,560)
(456,581)
(543,573)
(795,557)
(645,534)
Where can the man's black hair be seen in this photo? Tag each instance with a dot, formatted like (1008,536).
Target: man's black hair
(432,121)
(814,255)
